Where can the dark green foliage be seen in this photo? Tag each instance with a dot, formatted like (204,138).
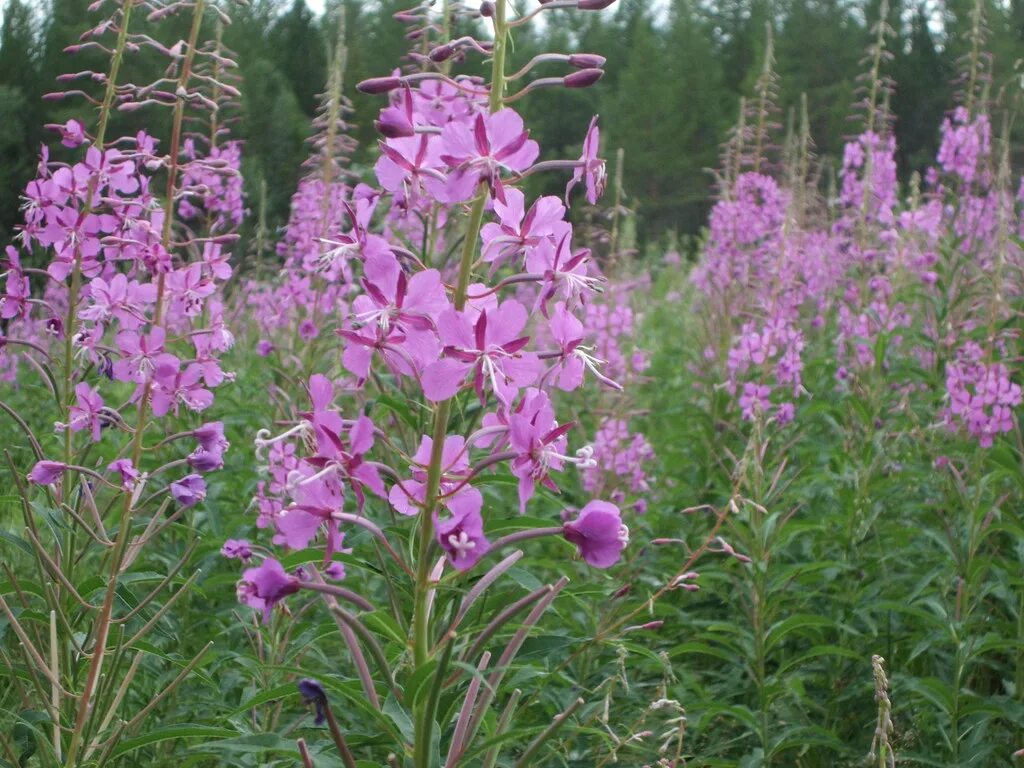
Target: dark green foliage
(670,92)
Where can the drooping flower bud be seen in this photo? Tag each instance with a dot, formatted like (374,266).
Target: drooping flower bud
(441,53)
(583,79)
(586,61)
(378,85)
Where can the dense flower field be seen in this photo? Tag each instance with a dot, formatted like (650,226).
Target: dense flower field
(456,476)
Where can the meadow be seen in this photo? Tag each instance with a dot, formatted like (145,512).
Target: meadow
(460,468)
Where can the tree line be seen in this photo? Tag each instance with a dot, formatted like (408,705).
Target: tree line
(674,81)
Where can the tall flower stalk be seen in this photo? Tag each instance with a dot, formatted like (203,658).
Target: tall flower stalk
(422,328)
(124,312)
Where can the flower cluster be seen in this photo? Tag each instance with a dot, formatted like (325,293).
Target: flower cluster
(981,396)
(866,278)
(499,330)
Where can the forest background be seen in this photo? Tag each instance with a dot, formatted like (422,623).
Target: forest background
(707,56)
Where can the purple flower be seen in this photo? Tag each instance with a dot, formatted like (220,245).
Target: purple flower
(335,570)
(237,549)
(591,167)
(460,498)
(598,533)
(87,413)
(46,472)
(129,474)
(205,461)
(264,348)
(313,693)
(189,491)
(266,585)
(308,330)
(72,134)
(496,142)
(490,346)
(462,538)
(211,437)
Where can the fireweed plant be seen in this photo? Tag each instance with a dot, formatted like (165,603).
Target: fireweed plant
(458,310)
(124,328)
(857,396)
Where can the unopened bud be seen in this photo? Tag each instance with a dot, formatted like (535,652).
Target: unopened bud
(378,85)
(487,9)
(441,53)
(583,79)
(586,61)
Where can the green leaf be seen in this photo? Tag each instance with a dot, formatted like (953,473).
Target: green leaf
(171,733)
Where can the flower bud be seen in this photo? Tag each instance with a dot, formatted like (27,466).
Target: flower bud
(378,85)
(586,61)
(487,9)
(441,53)
(583,79)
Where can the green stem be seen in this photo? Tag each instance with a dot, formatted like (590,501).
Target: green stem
(105,617)
(421,617)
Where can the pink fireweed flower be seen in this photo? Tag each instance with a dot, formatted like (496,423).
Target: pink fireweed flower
(490,348)
(345,457)
(317,496)
(574,357)
(598,533)
(457,495)
(211,437)
(562,270)
(47,472)
(237,549)
(394,297)
(539,441)
(462,538)
(141,354)
(126,470)
(120,299)
(87,413)
(982,397)
(395,316)
(754,400)
(72,235)
(188,491)
(189,289)
(335,570)
(496,143)
(410,165)
(14,300)
(174,386)
(591,167)
(965,143)
(265,586)
(518,230)
(72,133)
